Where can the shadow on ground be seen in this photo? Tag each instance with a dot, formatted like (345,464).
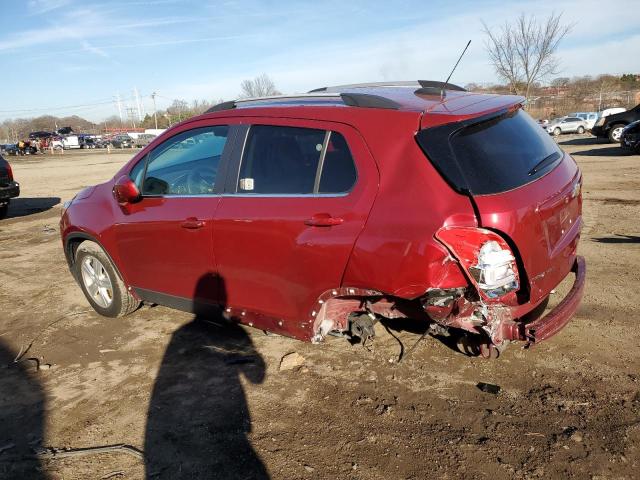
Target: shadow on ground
(583,141)
(22,405)
(23,206)
(613,151)
(198,418)
(618,239)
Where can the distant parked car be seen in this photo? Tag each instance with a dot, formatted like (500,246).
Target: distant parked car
(143,140)
(122,141)
(87,142)
(611,127)
(9,149)
(589,118)
(630,137)
(566,125)
(9,188)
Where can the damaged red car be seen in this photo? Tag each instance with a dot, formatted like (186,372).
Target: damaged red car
(321,213)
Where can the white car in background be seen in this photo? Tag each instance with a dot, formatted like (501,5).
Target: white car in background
(566,125)
(589,118)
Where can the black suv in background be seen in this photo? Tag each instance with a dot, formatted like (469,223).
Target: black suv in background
(630,138)
(8,187)
(611,126)
(122,141)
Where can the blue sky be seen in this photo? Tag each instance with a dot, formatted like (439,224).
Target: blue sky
(57,54)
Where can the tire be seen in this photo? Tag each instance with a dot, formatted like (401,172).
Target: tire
(556,132)
(580,130)
(615,132)
(100,282)
(4,209)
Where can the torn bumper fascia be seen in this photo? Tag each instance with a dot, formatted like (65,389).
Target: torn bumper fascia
(556,319)
(500,322)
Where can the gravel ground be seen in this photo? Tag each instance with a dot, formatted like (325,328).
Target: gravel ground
(204,400)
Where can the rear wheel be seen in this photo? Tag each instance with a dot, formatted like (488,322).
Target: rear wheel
(581,130)
(100,283)
(615,133)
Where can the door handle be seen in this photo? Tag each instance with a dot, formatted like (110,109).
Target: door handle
(192,223)
(323,220)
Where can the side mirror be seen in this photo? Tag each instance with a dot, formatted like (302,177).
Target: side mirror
(125,191)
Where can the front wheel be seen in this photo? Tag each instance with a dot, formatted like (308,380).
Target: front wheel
(580,130)
(100,283)
(557,132)
(615,133)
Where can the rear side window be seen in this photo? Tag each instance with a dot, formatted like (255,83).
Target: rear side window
(492,155)
(281,160)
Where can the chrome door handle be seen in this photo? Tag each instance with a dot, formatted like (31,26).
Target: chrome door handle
(323,220)
(192,223)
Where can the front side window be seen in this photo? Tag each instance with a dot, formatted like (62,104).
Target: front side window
(186,164)
(292,160)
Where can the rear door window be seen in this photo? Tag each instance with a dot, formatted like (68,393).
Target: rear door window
(491,154)
(281,160)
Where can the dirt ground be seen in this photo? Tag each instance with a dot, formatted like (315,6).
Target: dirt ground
(205,400)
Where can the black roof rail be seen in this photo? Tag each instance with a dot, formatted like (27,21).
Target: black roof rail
(426,84)
(363,100)
(222,106)
(366,100)
(432,87)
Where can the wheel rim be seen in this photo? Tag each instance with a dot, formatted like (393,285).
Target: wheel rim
(97,282)
(615,134)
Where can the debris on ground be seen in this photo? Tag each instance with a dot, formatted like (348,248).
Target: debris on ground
(291,361)
(488,388)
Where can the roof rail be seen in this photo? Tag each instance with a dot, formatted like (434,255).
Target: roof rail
(363,100)
(422,84)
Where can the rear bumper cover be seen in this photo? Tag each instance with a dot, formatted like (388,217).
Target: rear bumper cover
(547,326)
(10,191)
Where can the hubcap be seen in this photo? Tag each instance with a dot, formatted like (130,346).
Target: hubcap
(97,282)
(616,134)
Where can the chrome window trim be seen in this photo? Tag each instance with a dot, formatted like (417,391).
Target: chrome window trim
(325,143)
(286,195)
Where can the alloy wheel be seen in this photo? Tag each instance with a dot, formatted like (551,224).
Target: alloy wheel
(97,282)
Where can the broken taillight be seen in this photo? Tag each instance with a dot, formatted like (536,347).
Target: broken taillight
(486,257)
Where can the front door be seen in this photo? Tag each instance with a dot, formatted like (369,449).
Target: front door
(284,234)
(165,241)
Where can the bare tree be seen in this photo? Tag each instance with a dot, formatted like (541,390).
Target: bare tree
(523,52)
(261,86)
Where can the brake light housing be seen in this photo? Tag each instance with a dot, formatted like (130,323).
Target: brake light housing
(487,259)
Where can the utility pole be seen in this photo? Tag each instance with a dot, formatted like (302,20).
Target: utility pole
(137,97)
(119,107)
(155,111)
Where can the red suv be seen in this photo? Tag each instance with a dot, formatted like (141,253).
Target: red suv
(320,213)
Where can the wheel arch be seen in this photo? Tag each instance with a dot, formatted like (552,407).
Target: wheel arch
(71,244)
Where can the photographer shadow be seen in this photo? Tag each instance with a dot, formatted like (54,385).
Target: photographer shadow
(22,405)
(198,418)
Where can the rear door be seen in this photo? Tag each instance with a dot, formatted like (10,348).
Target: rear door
(301,194)
(523,184)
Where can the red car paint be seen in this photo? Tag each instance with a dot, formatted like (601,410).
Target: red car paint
(300,265)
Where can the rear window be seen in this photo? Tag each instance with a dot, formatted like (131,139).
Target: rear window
(491,154)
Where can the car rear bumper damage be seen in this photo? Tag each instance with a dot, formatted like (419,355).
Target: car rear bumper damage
(506,330)
(10,191)
(547,326)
